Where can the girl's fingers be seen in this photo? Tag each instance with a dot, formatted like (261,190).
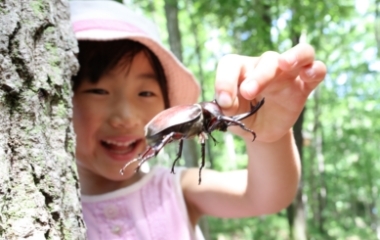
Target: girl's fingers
(313,74)
(251,75)
(257,78)
(297,57)
(229,73)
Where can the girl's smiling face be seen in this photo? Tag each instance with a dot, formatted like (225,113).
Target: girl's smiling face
(109,118)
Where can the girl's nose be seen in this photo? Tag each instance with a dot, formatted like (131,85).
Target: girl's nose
(124,116)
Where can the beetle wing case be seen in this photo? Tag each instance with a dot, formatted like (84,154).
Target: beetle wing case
(171,117)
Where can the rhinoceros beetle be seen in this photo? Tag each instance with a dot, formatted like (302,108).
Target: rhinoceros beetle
(187,121)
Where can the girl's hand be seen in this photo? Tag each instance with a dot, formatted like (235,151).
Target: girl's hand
(284,80)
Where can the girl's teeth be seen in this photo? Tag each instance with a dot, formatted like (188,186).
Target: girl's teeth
(119,147)
(122,151)
(120,144)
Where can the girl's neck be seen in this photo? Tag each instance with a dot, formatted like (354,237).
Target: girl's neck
(92,184)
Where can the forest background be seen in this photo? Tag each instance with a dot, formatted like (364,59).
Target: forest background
(338,133)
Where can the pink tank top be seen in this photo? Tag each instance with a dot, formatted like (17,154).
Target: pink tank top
(152,208)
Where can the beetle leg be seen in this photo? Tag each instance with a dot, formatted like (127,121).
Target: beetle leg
(178,155)
(215,142)
(156,149)
(146,157)
(139,158)
(202,139)
(167,139)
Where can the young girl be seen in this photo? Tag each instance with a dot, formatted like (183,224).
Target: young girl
(126,78)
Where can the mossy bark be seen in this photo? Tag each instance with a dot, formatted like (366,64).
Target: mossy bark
(39,192)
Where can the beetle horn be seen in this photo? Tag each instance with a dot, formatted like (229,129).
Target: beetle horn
(254,109)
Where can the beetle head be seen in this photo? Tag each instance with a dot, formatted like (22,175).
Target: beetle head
(212,108)
(212,114)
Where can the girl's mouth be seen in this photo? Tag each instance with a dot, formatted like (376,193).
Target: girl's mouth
(121,149)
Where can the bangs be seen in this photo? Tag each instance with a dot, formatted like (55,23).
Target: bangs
(96,58)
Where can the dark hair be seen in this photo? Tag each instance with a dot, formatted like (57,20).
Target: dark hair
(98,57)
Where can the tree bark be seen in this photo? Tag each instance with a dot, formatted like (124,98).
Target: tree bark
(39,197)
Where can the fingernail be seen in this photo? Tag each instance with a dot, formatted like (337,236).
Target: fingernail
(310,72)
(224,99)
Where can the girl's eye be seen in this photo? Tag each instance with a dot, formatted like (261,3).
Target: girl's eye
(146,94)
(97,91)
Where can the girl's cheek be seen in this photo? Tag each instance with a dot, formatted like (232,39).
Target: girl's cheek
(154,112)
(81,117)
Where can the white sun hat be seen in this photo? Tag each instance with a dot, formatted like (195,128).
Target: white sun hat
(109,20)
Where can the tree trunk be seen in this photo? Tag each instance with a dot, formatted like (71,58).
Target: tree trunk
(318,155)
(297,209)
(39,197)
